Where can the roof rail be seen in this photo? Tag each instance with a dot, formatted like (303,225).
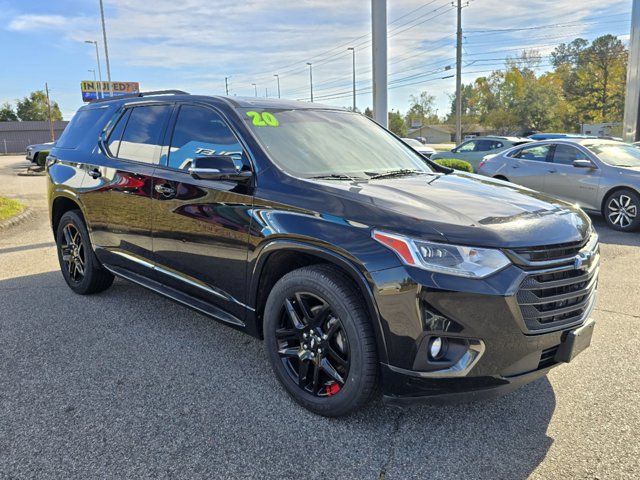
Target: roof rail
(142,94)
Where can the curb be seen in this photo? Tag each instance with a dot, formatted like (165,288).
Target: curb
(21,217)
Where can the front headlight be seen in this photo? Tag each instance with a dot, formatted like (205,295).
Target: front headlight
(470,262)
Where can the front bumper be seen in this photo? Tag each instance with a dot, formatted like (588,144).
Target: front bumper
(494,313)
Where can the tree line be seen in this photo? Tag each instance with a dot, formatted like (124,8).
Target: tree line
(32,107)
(586,84)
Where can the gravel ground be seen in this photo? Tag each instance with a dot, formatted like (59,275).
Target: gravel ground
(126,384)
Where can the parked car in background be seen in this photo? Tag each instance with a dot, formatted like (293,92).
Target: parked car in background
(555,136)
(423,150)
(473,151)
(34,150)
(601,176)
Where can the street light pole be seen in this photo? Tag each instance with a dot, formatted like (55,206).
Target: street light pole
(106,49)
(379,60)
(459,76)
(93,70)
(255,89)
(46,88)
(278,79)
(95,43)
(311,79)
(226,85)
(353,51)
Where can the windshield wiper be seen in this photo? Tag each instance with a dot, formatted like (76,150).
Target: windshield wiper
(336,176)
(394,173)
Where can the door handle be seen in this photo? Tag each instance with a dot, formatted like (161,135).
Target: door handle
(165,190)
(95,173)
(552,171)
(515,166)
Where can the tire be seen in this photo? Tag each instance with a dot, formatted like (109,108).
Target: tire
(621,210)
(500,177)
(80,267)
(348,344)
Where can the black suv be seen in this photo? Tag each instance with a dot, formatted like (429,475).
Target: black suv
(361,264)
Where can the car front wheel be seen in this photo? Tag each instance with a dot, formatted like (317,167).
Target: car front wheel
(320,342)
(621,210)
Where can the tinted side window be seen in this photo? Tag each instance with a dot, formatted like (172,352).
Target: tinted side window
(536,153)
(200,132)
(141,138)
(82,125)
(566,154)
(467,147)
(113,142)
(486,145)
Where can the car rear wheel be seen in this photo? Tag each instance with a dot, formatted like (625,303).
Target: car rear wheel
(81,269)
(621,210)
(320,342)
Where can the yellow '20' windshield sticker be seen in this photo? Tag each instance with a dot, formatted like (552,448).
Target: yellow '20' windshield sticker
(264,119)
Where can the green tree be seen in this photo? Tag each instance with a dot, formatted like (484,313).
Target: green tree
(368,112)
(7,114)
(397,124)
(422,109)
(34,107)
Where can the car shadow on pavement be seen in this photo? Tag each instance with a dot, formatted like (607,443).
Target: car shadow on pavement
(128,384)
(608,235)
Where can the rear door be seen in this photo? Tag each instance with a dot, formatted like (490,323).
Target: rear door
(117,187)
(201,227)
(529,166)
(570,183)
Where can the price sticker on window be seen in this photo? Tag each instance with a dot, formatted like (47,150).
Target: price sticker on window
(264,119)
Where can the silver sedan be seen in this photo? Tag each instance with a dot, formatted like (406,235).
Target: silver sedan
(601,176)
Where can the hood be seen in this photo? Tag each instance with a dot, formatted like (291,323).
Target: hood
(464,209)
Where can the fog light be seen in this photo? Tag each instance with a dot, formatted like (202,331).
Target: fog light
(437,348)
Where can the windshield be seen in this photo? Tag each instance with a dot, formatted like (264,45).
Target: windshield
(616,154)
(330,143)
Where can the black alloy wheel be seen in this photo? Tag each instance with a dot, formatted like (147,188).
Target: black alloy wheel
(73,252)
(621,210)
(79,265)
(313,344)
(320,342)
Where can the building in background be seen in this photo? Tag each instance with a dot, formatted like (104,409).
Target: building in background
(15,136)
(446,133)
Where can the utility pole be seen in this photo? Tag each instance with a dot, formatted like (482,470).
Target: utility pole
(106,49)
(226,85)
(95,43)
(311,79)
(353,51)
(379,59)
(266,92)
(278,79)
(46,88)
(255,89)
(459,77)
(632,99)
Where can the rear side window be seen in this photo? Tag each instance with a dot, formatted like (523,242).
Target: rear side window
(566,154)
(113,143)
(200,132)
(486,145)
(142,134)
(84,124)
(537,153)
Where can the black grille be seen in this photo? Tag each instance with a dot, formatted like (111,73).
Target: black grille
(548,357)
(559,295)
(552,252)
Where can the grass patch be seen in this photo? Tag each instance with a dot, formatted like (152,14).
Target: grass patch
(9,208)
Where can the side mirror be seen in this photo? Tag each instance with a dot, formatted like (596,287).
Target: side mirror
(218,167)
(453,150)
(583,164)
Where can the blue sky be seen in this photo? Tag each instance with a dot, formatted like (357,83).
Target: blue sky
(193,44)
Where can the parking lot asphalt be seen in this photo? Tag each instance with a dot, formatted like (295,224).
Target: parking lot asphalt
(126,384)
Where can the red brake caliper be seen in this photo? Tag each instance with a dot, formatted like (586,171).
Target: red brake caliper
(332,389)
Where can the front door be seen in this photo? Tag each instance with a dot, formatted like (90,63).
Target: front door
(116,191)
(201,227)
(573,184)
